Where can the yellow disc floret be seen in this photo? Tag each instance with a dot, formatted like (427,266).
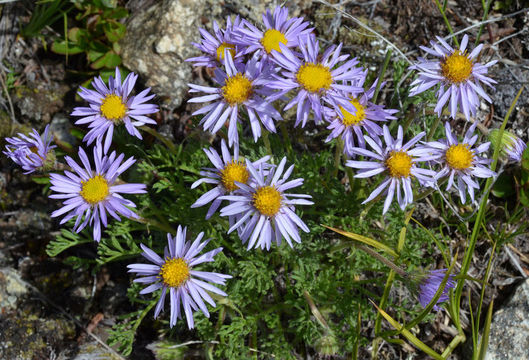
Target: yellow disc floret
(113,107)
(314,77)
(94,190)
(271,40)
(174,272)
(399,164)
(237,90)
(222,48)
(267,200)
(234,171)
(457,67)
(350,119)
(459,157)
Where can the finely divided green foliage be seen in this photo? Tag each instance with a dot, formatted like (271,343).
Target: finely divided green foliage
(265,309)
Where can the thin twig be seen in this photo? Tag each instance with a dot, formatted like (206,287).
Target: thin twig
(4,86)
(361,24)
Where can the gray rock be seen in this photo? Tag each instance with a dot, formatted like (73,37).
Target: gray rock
(11,288)
(159,38)
(24,334)
(94,351)
(509,332)
(60,129)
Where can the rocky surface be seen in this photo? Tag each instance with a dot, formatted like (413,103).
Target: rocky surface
(509,332)
(25,331)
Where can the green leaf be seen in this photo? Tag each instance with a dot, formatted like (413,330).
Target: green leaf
(117,13)
(66,240)
(365,240)
(525,159)
(63,48)
(486,333)
(408,335)
(114,31)
(109,60)
(44,180)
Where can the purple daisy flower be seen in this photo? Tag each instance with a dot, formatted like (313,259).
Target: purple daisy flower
(459,75)
(228,170)
(315,79)
(461,161)
(31,152)
(515,149)
(351,125)
(278,30)
(112,106)
(176,273)
(93,192)
(429,285)
(239,87)
(267,212)
(398,161)
(214,46)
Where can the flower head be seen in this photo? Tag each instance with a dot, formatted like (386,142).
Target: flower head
(214,46)
(316,79)
(515,149)
(430,283)
(176,273)
(239,87)
(461,161)
(352,125)
(93,192)
(113,105)
(266,211)
(229,170)
(279,29)
(398,162)
(458,73)
(31,152)
(511,146)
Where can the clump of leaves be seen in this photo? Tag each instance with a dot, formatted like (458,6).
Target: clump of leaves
(97,33)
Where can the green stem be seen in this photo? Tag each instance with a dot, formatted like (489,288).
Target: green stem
(286,137)
(469,251)
(458,339)
(443,13)
(433,128)
(485,279)
(337,156)
(266,141)
(382,259)
(157,224)
(167,142)
(381,75)
(486,7)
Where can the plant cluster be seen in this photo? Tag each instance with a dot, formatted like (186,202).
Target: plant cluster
(269,299)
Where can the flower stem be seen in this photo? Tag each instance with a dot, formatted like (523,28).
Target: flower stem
(443,13)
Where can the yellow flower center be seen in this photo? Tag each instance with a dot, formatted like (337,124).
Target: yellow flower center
(459,157)
(94,190)
(271,40)
(350,119)
(237,90)
(221,49)
(174,272)
(457,67)
(267,200)
(399,164)
(234,171)
(314,77)
(113,108)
